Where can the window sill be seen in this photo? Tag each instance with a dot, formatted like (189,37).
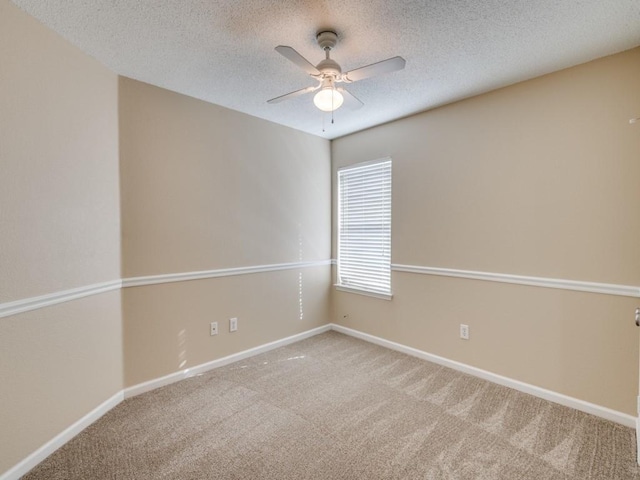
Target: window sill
(368,293)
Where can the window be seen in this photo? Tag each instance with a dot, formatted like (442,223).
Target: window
(364,228)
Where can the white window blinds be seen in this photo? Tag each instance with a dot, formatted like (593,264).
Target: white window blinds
(364,227)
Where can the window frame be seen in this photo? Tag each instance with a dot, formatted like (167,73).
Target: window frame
(359,289)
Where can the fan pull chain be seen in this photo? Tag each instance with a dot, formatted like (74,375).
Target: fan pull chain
(332,109)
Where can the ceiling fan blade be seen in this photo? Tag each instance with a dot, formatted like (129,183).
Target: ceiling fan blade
(287,96)
(350,100)
(298,59)
(385,66)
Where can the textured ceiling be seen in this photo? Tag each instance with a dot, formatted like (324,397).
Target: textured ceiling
(222,51)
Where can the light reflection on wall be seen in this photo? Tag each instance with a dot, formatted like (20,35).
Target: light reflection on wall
(300,295)
(300,258)
(182,348)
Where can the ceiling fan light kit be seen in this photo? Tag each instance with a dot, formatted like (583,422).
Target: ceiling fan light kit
(328,98)
(328,72)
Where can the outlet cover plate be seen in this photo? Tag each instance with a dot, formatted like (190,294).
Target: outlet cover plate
(464,331)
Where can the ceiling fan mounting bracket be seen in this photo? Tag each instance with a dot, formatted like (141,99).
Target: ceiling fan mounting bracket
(327,39)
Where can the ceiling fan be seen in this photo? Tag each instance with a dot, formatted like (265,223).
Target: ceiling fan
(328,73)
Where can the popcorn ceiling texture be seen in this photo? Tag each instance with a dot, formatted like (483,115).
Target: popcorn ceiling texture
(222,51)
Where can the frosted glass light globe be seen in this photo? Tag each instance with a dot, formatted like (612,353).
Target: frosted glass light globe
(328,99)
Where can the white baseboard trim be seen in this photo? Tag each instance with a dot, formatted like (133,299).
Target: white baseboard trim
(591,408)
(220,362)
(33,303)
(638,440)
(59,440)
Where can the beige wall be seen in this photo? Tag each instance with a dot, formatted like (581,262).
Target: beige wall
(204,188)
(59,224)
(537,179)
(59,205)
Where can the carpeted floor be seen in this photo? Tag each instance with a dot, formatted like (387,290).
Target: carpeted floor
(333,407)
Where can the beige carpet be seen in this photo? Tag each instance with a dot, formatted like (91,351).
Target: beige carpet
(333,407)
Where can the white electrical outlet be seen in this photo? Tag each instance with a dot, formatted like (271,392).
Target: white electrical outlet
(233,324)
(464,332)
(214,328)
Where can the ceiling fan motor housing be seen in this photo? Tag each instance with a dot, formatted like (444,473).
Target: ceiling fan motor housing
(329,67)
